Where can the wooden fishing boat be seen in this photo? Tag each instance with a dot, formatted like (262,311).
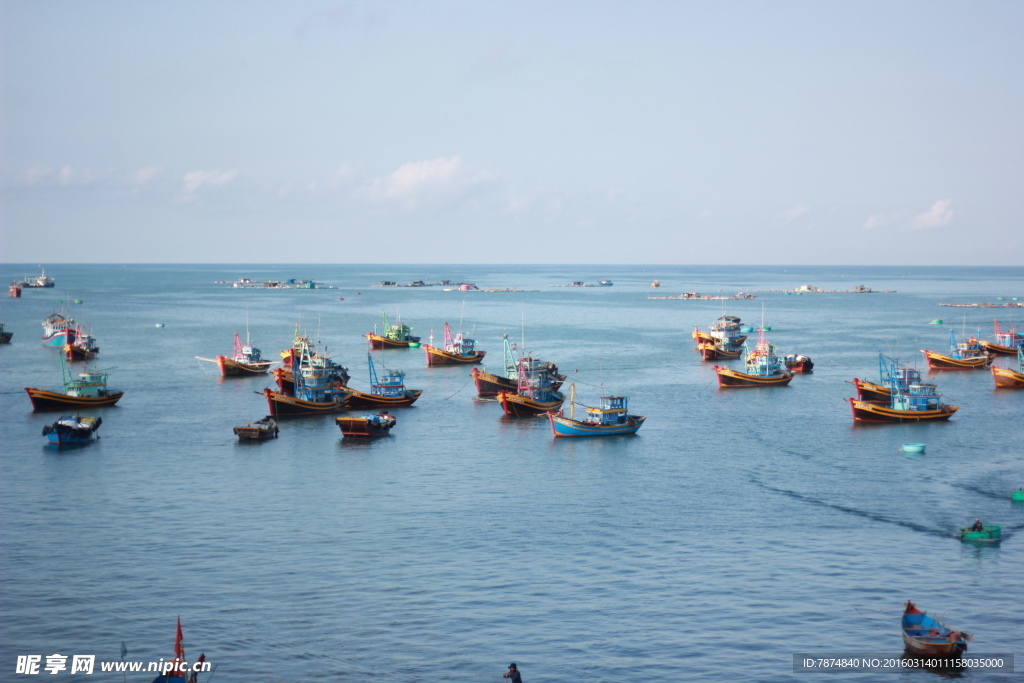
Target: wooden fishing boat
(533,395)
(314,392)
(763,369)
(926,636)
(388,392)
(916,401)
(58,331)
(258,431)
(307,353)
(610,419)
(489,385)
(397,336)
(5,336)
(964,355)
(716,350)
(726,330)
(83,348)
(1006,343)
(458,350)
(368,425)
(891,373)
(989,533)
(1007,378)
(796,363)
(72,429)
(88,391)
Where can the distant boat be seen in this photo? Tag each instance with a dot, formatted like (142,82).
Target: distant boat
(458,350)
(387,392)
(258,431)
(611,418)
(796,363)
(489,385)
(72,429)
(1007,378)
(397,336)
(88,391)
(763,369)
(58,331)
(915,401)
(5,336)
(924,635)
(655,284)
(314,390)
(533,394)
(1006,343)
(369,425)
(43,280)
(83,348)
(963,355)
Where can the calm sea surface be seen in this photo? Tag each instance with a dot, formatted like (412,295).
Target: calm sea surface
(737,528)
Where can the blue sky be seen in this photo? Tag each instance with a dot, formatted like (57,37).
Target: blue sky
(513,132)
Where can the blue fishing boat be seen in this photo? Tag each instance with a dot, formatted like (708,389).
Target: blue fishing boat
(915,401)
(927,636)
(304,350)
(963,355)
(610,419)
(58,331)
(314,390)
(387,392)
(71,430)
(763,368)
(891,374)
(533,395)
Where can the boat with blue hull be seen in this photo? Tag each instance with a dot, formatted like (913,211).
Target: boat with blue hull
(763,368)
(58,331)
(612,418)
(314,391)
(387,392)
(891,373)
(926,636)
(458,350)
(533,395)
(1008,378)
(397,336)
(72,430)
(916,401)
(963,355)
(306,352)
(88,391)
(1006,343)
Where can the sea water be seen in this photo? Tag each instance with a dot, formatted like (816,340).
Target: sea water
(738,527)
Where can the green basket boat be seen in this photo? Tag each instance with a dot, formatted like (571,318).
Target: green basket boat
(990,533)
(1017,495)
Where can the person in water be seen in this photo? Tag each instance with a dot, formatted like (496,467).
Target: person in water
(977,525)
(513,674)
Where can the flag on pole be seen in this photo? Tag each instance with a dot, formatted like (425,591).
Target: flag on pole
(179,651)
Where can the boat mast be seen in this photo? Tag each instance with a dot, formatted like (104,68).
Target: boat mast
(572,401)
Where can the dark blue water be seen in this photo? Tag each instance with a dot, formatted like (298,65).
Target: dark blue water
(736,528)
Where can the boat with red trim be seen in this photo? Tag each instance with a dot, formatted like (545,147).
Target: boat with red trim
(83,348)
(916,402)
(1007,378)
(314,391)
(716,350)
(58,330)
(891,373)
(533,395)
(1006,343)
(368,425)
(763,368)
(798,364)
(245,361)
(387,392)
(397,336)
(926,636)
(489,385)
(458,350)
(88,391)
(261,430)
(963,355)
(303,348)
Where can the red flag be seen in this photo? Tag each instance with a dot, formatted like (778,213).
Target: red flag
(179,651)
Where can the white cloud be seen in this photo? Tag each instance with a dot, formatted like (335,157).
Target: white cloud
(419,182)
(67,176)
(37,175)
(939,215)
(195,180)
(144,175)
(790,215)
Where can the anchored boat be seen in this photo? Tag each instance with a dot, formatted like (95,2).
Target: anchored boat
(72,429)
(763,368)
(88,391)
(717,350)
(796,363)
(925,635)
(245,361)
(489,385)
(989,533)
(179,669)
(388,392)
(397,336)
(726,331)
(306,352)
(368,425)
(314,390)
(1006,343)
(533,395)
(258,431)
(891,373)
(610,419)
(1007,378)
(458,350)
(915,401)
(5,336)
(84,346)
(964,355)
(58,331)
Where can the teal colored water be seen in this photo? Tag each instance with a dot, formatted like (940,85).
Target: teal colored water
(737,527)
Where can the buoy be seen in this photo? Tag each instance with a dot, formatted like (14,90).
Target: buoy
(935,322)
(913,448)
(159,324)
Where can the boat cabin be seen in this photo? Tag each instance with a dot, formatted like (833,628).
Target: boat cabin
(762,361)
(462,346)
(917,397)
(535,380)
(963,350)
(897,377)
(614,410)
(90,384)
(392,385)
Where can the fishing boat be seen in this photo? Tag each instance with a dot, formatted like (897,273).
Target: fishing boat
(387,392)
(963,355)
(258,431)
(314,390)
(1007,378)
(1006,343)
(301,349)
(716,350)
(179,670)
(891,373)
(245,361)
(915,401)
(397,336)
(88,391)
(610,419)
(796,363)
(989,533)
(533,395)
(72,429)
(927,636)
(458,350)
(489,385)
(763,368)
(368,425)
(43,280)
(1017,495)
(83,348)
(58,331)
(725,330)
(5,336)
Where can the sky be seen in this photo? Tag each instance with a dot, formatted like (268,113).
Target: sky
(484,131)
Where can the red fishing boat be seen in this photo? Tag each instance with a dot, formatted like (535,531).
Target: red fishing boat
(533,395)
(763,368)
(458,350)
(1006,343)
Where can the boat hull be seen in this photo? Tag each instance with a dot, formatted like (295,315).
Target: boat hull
(436,356)
(60,339)
(282,405)
(489,386)
(864,411)
(990,533)
(261,431)
(360,399)
(364,426)
(379,342)
(69,431)
(516,405)
(933,648)
(937,361)
(1007,379)
(74,352)
(868,391)
(5,338)
(232,368)
(713,352)
(801,367)
(998,349)
(732,379)
(52,400)
(923,635)
(564,427)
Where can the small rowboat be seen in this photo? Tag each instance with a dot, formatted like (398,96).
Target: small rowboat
(923,635)
(258,431)
(5,336)
(369,425)
(72,429)
(990,533)
(799,364)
